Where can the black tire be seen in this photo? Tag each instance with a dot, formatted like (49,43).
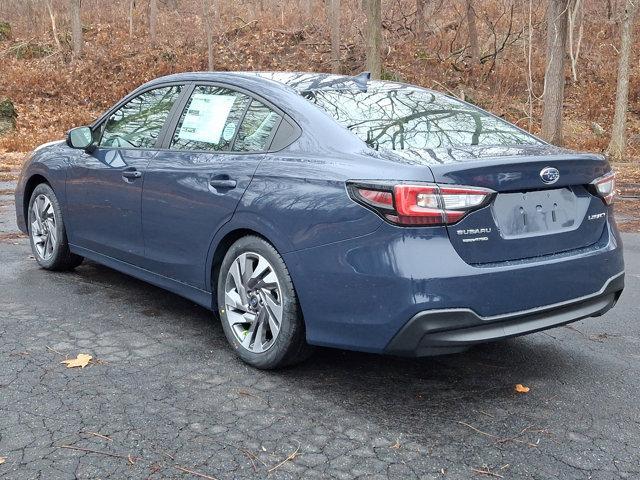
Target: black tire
(289,346)
(61,258)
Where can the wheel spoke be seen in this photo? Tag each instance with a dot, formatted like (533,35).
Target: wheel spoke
(232,298)
(37,207)
(249,336)
(237,279)
(260,337)
(237,318)
(274,326)
(36,229)
(47,242)
(36,215)
(273,306)
(260,269)
(53,236)
(46,208)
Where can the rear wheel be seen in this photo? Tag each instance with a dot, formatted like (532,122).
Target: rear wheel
(259,307)
(47,232)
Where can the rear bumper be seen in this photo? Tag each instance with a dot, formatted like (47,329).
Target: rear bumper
(360,293)
(438,332)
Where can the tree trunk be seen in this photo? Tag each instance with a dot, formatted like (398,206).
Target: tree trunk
(618,143)
(334,21)
(153,20)
(474,45)
(206,13)
(420,18)
(54,28)
(374,37)
(76,28)
(576,20)
(554,78)
(132,9)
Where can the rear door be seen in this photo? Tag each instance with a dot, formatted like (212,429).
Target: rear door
(192,187)
(543,206)
(104,187)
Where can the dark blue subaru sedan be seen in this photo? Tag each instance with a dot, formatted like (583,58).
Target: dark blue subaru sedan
(314,209)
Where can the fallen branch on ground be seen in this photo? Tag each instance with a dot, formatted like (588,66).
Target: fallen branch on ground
(289,458)
(195,474)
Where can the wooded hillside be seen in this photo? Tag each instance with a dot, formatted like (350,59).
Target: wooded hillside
(62,69)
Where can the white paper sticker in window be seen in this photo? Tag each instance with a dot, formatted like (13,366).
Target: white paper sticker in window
(206,117)
(229,131)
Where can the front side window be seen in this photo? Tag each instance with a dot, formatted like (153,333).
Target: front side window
(138,123)
(210,119)
(399,117)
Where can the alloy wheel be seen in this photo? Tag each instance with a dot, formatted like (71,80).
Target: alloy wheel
(43,227)
(253,302)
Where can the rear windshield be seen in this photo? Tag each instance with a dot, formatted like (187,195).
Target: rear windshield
(399,117)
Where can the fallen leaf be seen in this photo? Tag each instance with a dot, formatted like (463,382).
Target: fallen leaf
(82,360)
(522,389)
(2,460)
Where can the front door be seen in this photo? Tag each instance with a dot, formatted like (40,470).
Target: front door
(104,187)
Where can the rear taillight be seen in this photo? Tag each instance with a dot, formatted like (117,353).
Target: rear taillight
(419,204)
(605,187)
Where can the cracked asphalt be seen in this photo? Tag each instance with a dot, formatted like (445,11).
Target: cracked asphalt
(166,398)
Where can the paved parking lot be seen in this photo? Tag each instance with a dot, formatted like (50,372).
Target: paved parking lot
(165,397)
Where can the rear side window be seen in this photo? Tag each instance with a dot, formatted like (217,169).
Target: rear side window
(137,124)
(257,128)
(210,119)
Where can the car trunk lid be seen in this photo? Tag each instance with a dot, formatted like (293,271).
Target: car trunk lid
(533,213)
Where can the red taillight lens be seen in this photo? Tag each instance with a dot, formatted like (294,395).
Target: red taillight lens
(377,198)
(420,204)
(605,187)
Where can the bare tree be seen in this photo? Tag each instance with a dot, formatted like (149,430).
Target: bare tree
(575,18)
(132,9)
(618,141)
(77,41)
(153,20)
(54,28)
(554,78)
(334,21)
(207,14)
(420,18)
(474,45)
(374,36)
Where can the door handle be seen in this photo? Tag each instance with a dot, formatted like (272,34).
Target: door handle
(223,183)
(131,174)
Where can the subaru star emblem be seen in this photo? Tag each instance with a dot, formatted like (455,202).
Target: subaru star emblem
(549,175)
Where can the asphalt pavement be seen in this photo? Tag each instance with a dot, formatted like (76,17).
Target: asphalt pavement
(165,397)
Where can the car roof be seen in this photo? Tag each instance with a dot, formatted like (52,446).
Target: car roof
(296,81)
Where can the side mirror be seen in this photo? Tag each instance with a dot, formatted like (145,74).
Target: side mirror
(80,138)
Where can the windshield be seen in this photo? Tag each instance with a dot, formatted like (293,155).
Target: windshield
(400,117)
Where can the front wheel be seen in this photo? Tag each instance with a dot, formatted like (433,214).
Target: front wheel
(47,232)
(259,307)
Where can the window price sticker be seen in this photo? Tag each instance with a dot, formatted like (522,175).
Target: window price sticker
(206,117)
